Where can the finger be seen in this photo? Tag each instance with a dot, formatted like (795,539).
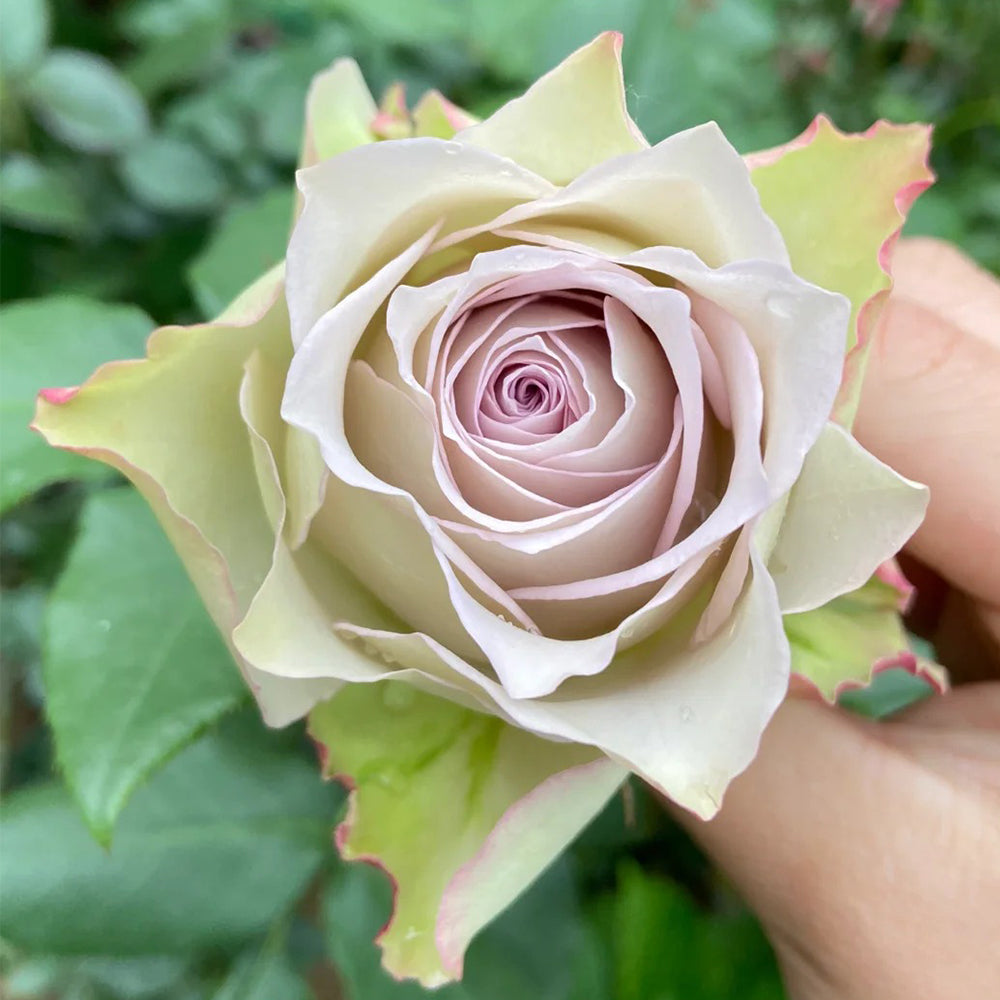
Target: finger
(931,407)
(965,632)
(940,277)
(833,837)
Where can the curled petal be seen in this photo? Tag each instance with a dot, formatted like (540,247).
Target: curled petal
(847,513)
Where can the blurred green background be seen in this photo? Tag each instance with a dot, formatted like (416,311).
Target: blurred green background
(147,157)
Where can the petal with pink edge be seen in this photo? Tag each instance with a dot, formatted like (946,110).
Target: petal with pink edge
(440,799)
(436,116)
(840,201)
(573,118)
(172,423)
(841,645)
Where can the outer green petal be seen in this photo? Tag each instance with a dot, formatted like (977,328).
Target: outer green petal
(847,513)
(843,644)
(339,113)
(460,809)
(840,201)
(393,118)
(436,116)
(570,120)
(172,424)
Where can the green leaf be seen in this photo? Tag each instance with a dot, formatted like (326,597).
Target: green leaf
(24,35)
(666,949)
(173,175)
(215,121)
(434,782)
(250,240)
(532,950)
(85,102)
(406,23)
(263,975)
(356,904)
(889,691)
(506,37)
(129,680)
(176,42)
(54,342)
(688,63)
(39,197)
(144,978)
(219,842)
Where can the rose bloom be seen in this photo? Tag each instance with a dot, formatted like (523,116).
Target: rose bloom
(538,419)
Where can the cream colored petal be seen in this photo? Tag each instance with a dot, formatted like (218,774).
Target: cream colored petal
(305,475)
(692,190)
(797,331)
(616,537)
(847,513)
(570,120)
(296,656)
(260,404)
(366,206)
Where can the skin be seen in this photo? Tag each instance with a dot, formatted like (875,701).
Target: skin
(871,850)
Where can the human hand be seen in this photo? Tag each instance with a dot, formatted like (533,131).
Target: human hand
(871,850)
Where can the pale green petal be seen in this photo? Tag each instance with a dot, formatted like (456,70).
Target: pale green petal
(435,115)
(287,640)
(838,646)
(339,113)
(847,513)
(840,201)
(694,714)
(461,810)
(305,477)
(393,119)
(260,405)
(172,424)
(570,120)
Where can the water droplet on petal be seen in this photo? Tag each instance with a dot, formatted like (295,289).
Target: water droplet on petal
(391,778)
(780,305)
(687,713)
(397,697)
(452,148)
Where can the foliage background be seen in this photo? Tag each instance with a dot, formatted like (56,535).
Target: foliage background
(147,157)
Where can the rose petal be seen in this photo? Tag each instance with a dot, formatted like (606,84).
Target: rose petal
(357,200)
(691,190)
(855,190)
(207,498)
(339,112)
(847,513)
(571,119)
(722,693)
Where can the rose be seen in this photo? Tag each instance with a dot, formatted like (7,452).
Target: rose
(537,420)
